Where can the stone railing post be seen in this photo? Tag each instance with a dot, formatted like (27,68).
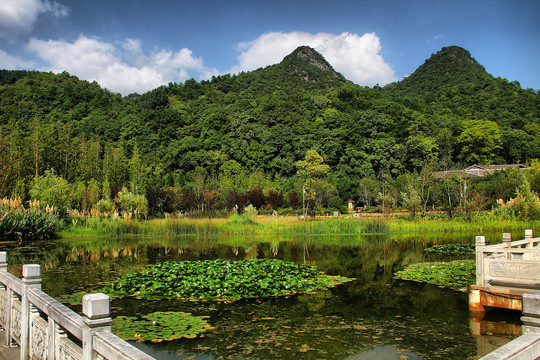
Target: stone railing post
(530,245)
(7,303)
(507,239)
(531,312)
(480,276)
(3,261)
(96,309)
(31,280)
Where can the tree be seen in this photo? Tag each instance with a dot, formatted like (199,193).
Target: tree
(310,169)
(480,141)
(367,190)
(187,200)
(52,190)
(236,200)
(294,200)
(256,198)
(131,203)
(275,199)
(411,200)
(210,201)
(324,191)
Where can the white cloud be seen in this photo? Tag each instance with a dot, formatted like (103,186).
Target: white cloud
(18,16)
(125,68)
(13,62)
(356,57)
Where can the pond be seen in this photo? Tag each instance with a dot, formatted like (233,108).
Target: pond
(374,316)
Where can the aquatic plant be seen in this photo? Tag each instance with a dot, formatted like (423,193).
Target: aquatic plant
(223,280)
(452,249)
(160,326)
(454,274)
(32,223)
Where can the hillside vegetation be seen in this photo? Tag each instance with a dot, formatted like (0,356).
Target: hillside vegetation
(236,139)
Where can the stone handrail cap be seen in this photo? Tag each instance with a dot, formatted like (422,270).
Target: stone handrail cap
(531,304)
(31,271)
(96,306)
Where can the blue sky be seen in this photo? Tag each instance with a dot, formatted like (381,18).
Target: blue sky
(134,46)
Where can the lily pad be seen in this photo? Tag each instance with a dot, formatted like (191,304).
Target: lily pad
(160,326)
(223,280)
(454,274)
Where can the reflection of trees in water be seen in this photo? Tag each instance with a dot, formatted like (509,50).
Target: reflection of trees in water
(314,327)
(343,321)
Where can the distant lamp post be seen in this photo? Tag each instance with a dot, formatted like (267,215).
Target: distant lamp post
(303,202)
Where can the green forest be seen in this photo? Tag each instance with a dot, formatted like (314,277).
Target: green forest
(237,140)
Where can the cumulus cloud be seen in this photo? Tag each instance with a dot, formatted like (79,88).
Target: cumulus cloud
(18,16)
(356,57)
(124,68)
(13,62)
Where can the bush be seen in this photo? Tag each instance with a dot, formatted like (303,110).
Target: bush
(18,223)
(105,206)
(526,204)
(133,204)
(51,190)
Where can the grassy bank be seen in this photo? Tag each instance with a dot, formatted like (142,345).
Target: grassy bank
(244,225)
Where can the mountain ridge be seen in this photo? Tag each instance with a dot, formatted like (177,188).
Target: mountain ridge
(264,121)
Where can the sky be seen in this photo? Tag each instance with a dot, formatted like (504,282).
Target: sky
(135,46)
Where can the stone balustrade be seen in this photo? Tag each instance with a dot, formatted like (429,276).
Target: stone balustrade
(43,328)
(511,262)
(527,346)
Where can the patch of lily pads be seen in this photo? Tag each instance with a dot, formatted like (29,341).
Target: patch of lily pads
(160,326)
(222,280)
(454,275)
(454,249)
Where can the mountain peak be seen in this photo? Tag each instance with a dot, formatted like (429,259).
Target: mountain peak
(310,65)
(310,56)
(455,54)
(452,65)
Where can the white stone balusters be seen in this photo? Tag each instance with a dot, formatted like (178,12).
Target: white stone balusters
(96,310)
(31,279)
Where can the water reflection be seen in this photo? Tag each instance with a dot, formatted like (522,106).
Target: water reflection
(375,316)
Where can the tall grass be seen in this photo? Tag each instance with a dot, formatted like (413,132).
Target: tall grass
(20,223)
(247,226)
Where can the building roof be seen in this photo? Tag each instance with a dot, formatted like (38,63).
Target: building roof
(477,171)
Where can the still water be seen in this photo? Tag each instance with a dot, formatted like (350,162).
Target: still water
(374,317)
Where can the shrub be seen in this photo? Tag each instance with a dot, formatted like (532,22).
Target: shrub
(130,203)
(526,204)
(18,223)
(105,206)
(51,190)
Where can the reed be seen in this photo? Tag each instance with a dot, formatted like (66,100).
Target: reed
(20,223)
(247,226)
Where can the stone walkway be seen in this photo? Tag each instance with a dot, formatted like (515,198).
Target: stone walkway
(7,352)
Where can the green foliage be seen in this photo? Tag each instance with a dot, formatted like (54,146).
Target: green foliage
(160,326)
(130,203)
(526,204)
(248,131)
(17,223)
(480,142)
(454,275)
(223,280)
(243,219)
(105,206)
(452,249)
(51,190)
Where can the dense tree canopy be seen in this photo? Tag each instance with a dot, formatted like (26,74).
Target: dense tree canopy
(184,145)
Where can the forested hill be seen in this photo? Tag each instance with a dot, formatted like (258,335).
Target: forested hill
(245,131)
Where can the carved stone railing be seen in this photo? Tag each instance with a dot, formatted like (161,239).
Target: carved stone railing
(526,346)
(511,263)
(40,325)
